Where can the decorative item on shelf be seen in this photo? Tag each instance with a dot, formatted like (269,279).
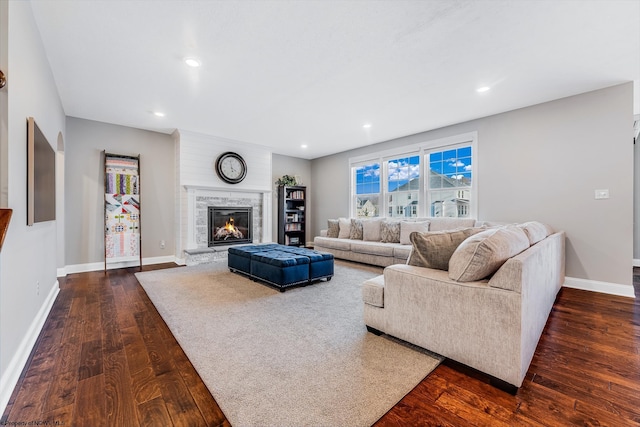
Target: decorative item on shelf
(3,80)
(286,180)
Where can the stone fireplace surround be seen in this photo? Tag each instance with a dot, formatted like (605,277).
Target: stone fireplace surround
(197,250)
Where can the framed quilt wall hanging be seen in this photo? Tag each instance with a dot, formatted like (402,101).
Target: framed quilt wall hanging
(122,237)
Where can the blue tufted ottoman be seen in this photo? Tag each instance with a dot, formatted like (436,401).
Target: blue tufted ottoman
(279,265)
(280,268)
(320,265)
(239,258)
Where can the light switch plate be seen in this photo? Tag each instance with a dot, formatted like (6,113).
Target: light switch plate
(602,194)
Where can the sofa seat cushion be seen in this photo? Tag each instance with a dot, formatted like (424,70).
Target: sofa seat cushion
(401,251)
(373,291)
(483,254)
(372,248)
(331,243)
(444,223)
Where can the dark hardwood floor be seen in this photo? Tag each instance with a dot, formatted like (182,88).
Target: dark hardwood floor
(106,358)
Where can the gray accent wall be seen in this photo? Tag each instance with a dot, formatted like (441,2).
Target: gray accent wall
(294,166)
(84,188)
(537,163)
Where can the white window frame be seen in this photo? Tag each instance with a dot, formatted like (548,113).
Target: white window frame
(421,149)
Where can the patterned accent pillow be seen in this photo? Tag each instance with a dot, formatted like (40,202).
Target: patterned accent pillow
(356,229)
(434,249)
(482,254)
(333,228)
(390,231)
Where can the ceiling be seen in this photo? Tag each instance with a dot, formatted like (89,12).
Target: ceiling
(286,73)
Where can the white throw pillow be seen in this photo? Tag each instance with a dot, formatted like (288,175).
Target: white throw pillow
(408,227)
(345,228)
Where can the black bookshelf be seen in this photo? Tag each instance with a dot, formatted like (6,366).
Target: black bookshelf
(292,215)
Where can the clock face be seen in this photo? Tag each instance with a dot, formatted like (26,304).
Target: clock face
(231,167)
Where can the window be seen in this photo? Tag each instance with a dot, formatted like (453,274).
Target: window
(434,178)
(450,182)
(367,190)
(403,186)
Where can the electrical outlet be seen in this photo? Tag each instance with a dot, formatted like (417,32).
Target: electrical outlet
(162,244)
(602,194)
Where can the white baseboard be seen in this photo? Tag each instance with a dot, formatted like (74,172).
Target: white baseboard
(97,266)
(636,262)
(9,380)
(602,287)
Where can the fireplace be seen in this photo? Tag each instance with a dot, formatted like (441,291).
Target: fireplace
(229,225)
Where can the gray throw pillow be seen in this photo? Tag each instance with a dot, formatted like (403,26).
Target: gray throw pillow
(333,228)
(371,230)
(482,254)
(434,248)
(390,231)
(356,229)
(535,231)
(345,228)
(408,227)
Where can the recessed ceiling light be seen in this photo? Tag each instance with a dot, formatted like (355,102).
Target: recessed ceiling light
(192,62)
(483,89)
(303,146)
(367,125)
(158,113)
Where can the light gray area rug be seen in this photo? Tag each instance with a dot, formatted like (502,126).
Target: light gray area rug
(298,358)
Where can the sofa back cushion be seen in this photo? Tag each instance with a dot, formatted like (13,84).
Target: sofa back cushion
(408,227)
(434,249)
(483,254)
(446,223)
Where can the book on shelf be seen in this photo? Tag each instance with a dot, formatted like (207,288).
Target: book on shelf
(291,240)
(296,194)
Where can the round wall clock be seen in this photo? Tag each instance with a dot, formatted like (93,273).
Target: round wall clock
(231,167)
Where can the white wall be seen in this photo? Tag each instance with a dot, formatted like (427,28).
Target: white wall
(196,155)
(539,163)
(84,188)
(28,282)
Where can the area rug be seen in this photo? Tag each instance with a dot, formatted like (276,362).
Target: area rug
(298,358)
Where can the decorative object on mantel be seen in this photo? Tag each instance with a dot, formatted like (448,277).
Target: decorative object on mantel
(286,180)
(5,218)
(231,167)
(122,238)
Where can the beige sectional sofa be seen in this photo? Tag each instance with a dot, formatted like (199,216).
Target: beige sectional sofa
(378,248)
(491,324)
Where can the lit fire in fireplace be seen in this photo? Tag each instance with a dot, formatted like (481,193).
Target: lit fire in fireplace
(229,231)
